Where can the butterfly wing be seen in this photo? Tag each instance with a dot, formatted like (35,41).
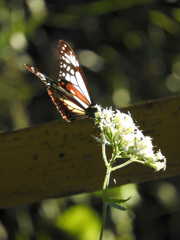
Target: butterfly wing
(66,104)
(69,109)
(72,73)
(71,94)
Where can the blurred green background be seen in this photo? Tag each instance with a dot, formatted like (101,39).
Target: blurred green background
(130,52)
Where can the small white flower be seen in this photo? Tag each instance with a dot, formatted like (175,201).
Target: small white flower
(160,165)
(119,131)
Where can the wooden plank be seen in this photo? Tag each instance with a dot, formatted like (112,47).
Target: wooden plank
(60,159)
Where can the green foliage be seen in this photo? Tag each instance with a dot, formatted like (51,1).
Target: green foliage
(79,221)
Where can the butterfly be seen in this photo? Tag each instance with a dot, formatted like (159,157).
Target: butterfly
(71,93)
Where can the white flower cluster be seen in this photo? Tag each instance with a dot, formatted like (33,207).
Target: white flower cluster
(127,141)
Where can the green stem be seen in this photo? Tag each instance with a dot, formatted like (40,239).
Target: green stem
(127,163)
(103,219)
(105,190)
(122,165)
(106,182)
(104,155)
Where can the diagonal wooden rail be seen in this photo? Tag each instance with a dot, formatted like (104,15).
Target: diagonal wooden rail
(60,159)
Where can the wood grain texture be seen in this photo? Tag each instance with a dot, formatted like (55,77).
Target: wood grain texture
(60,159)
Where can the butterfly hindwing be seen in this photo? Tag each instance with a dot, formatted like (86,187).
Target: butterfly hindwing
(65,103)
(69,109)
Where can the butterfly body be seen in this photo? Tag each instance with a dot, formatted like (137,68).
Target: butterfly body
(71,94)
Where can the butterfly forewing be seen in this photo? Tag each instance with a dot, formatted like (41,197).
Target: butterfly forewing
(71,71)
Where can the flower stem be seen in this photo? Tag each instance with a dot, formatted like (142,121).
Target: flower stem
(104,154)
(105,204)
(122,165)
(103,219)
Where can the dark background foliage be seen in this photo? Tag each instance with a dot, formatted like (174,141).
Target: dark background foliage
(130,52)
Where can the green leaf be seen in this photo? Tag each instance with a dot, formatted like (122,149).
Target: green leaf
(116,206)
(118,201)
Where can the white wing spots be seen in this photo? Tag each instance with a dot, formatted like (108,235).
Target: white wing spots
(72,71)
(73,80)
(44,79)
(74,61)
(40,75)
(70,58)
(82,87)
(68,77)
(69,71)
(81,102)
(67,60)
(72,91)
(74,107)
(32,69)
